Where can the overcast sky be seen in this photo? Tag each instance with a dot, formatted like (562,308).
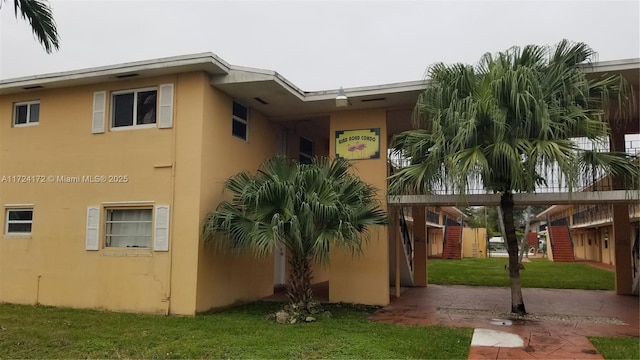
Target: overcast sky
(315,44)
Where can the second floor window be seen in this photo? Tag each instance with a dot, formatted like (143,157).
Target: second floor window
(240,121)
(132,108)
(26,113)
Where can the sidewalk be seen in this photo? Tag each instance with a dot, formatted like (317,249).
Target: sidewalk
(569,317)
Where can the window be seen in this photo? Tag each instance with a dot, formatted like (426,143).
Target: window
(128,228)
(19,221)
(240,123)
(306,151)
(134,108)
(26,113)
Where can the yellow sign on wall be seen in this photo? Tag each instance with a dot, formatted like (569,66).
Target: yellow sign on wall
(358,144)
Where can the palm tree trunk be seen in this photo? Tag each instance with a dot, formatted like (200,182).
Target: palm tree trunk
(517,302)
(299,287)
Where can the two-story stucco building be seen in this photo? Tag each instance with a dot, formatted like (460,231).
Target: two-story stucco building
(106,175)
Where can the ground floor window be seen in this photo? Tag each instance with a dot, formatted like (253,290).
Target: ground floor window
(19,221)
(129,228)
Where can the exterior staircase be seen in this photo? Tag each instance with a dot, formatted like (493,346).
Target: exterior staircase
(406,256)
(561,244)
(452,247)
(532,241)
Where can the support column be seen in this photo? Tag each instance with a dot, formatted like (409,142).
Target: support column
(396,243)
(420,246)
(622,248)
(621,224)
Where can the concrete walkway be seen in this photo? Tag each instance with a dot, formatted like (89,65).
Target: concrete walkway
(560,320)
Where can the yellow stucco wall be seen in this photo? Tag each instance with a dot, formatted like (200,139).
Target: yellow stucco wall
(587,245)
(51,266)
(224,279)
(608,253)
(474,239)
(434,236)
(180,167)
(363,279)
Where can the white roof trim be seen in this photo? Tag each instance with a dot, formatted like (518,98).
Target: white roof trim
(368,90)
(118,69)
(224,73)
(611,65)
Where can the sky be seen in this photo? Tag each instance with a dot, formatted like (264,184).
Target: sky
(317,45)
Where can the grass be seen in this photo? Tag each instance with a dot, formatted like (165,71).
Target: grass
(539,273)
(242,332)
(617,348)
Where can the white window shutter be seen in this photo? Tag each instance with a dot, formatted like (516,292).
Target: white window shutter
(99,112)
(92,241)
(165,120)
(161,231)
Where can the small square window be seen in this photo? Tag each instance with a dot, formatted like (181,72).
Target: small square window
(26,113)
(240,121)
(133,108)
(128,228)
(19,221)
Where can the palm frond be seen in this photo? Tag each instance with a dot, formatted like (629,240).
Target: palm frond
(507,120)
(39,15)
(306,208)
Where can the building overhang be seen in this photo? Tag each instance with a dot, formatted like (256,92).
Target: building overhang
(276,97)
(628,68)
(265,90)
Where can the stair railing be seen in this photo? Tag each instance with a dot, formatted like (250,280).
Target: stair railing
(461,223)
(445,225)
(406,238)
(570,238)
(549,235)
(404,229)
(635,255)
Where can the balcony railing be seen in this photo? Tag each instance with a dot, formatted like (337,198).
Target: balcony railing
(555,182)
(600,214)
(592,214)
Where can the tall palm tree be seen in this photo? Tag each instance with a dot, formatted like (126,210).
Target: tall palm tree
(506,121)
(305,208)
(40,17)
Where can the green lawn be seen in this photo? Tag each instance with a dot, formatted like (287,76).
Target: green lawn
(242,332)
(617,348)
(539,273)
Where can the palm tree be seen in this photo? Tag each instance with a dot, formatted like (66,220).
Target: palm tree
(506,121)
(40,17)
(305,208)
